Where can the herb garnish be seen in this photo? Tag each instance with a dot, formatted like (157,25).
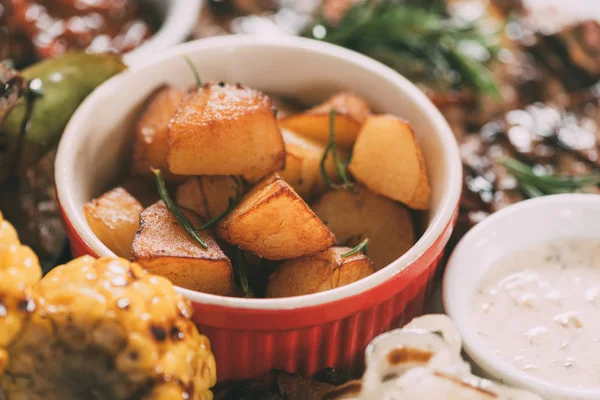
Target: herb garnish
(241,272)
(534,184)
(422,42)
(362,246)
(339,166)
(185,223)
(233,202)
(193,68)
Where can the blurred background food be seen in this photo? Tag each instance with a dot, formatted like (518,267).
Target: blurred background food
(36,29)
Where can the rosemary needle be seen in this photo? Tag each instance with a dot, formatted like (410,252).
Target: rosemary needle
(241,271)
(185,223)
(339,166)
(536,185)
(362,246)
(193,68)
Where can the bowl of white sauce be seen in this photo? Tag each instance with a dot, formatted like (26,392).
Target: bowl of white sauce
(523,286)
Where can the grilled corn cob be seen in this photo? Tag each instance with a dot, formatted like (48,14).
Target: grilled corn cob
(19,271)
(105,329)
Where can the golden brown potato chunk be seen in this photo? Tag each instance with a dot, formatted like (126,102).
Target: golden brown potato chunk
(150,142)
(303,165)
(274,222)
(322,271)
(351,112)
(387,159)
(207,195)
(114,218)
(163,248)
(354,217)
(225,130)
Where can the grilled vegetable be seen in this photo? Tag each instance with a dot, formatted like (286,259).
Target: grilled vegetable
(12,88)
(105,329)
(36,123)
(274,222)
(19,271)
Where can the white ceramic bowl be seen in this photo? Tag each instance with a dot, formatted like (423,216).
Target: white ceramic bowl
(517,227)
(304,333)
(178,18)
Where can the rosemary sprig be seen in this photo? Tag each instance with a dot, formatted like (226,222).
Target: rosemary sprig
(362,246)
(193,68)
(533,184)
(185,223)
(241,271)
(339,165)
(233,202)
(421,41)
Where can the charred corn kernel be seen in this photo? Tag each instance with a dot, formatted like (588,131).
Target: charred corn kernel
(105,329)
(19,271)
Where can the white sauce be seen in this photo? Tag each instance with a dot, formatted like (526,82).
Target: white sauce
(539,310)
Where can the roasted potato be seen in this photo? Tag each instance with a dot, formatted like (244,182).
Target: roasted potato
(351,112)
(274,222)
(222,129)
(207,195)
(387,159)
(150,142)
(303,165)
(322,271)
(114,218)
(354,217)
(163,248)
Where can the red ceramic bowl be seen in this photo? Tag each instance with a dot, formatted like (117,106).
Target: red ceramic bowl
(306,333)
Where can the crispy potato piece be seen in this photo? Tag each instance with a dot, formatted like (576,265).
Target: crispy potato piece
(387,159)
(114,218)
(303,165)
(322,271)
(275,223)
(163,248)
(225,130)
(352,111)
(207,195)
(353,217)
(150,143)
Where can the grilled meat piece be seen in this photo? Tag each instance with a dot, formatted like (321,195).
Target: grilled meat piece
(19,271)
(565,43)
(105,329)
(556,139)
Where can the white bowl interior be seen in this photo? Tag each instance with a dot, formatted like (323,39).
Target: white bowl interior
(523,225)
(94,152)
